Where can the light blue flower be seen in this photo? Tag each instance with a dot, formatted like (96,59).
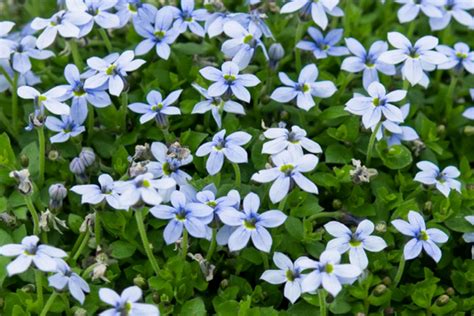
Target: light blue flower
(65,277)
(80,95)
(157,108)
(294,140)
(251,225)
(143,188)
(469,112)
(422,238)
(66,127)
(50,99)
(167,165)
(93,11)
(183,214)
(188,18)
(411,8)
(317,9)
(255,18)
(367,62)
(5,44)
(394,132)
(95,194)
(28,252)
(228,81)
(458,58)
(242,43)
(323,46)
(62,22)
(6,27)
(356,243)
(158,33)
(305,89)
(288,273)
(444,180)
(214,24)
(221,146)
(112,71)
(23,50)
(209,198)
(288,169)
(377,103)
(26,79)
(126,303)
(458,9)
(329,273)
(416,58)
(135,10)
(469,236)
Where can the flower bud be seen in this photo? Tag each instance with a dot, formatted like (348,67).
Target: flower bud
(80,312)
(336,204)
(441,129)
(380,289)
(224,283)
(57,193)
(87,156)
(8,219)
(140,282)
(164,298)
(276,53)
(387,281)
(381,227)
(427,208)
(156,298)
(450,291)
(77,166)
(442,300)
(53,155)
(24,160)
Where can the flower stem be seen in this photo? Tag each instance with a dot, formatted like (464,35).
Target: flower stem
(41,154)
(49,303)
(406,84)
(217,179)
(76,56)
(15,103)
(81,247)
(298,36)
(266,266)
(237,174)
(281,205)
(146,243)
(39,287)
(325,215)
(184,244)
(77,243)
(106,39)
(322,302)
(450,96)
(7,77)
(123,109)
(90,124)
(34,214)
(97,228)
(401,267)
(212,245)
(371,142)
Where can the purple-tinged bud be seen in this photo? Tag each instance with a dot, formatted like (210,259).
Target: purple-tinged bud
(77,166)
(276,53)
(57,193)
(87,156)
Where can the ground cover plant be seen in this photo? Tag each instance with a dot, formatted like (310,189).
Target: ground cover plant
(236,157)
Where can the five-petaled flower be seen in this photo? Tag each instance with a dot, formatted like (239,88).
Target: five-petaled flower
(95,194)
(221,146)
(323,46)
(65,277)
(51,99)
(317,9)
(355,242)
(250,224)
(305,89)
(444,180)
(126,303)
(422,238)
(157,108)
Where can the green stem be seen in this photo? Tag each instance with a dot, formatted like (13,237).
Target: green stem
(450,96)
(406,84)
(76,56)
(90,124)
(123,110)
(49,303)
(281,205)
(322,302)
(146,243)
(81,247)
(266,266)
(15,103)
(7,76)
(41,154)
(298,36)
(371,142)
(184,244)
(212,245)
(237,174)
(97,228)
(217,179)
(105,38)
(39,287)
(77,243)
(88,270)
(343,87)
(411,29)
(336,214)
(34,214)
(401,267)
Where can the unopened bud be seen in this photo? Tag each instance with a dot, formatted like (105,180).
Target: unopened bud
(427,208)
(87,156)
(380,289)
(336,204)
(23,177)
(387,281)
(53,155)
(224,283)
(276,53)
(381,227)
(442,300)
(57,193)
(441,129)
(450,291)
(77,166)
(155,297)
(80,312)
(140,282)
(24,160)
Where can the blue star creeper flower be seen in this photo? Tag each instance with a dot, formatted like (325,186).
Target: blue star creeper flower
(168,165)
(50,99)
(458,58)
(126,303)
(187,17)
(65,277)
(157,108)
(317,9)
(95,194)
(444,180)
(458,9)
(323,46)
(411,8)
(294,140)
(423,238)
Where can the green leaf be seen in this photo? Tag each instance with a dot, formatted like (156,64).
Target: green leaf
(120,161)
(337,153)
(7,156)
(122,249)
(394,157)
(194,307)
(294,227)
(192,139)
